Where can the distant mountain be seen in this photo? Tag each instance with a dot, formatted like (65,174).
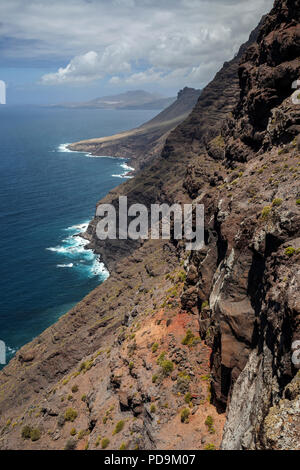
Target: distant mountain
(143,144)
(137,99)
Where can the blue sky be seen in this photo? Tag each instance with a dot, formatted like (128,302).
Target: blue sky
(53,51)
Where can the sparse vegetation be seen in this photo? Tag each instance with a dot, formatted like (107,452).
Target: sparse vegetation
(73,432)
(31,433)
(70,414)
(123,446)
(189,339)
(187,397)
(104,443)
(83,398)
(152,408)
(184,416)
(289,251)
(218,141)
(119,427)
(266,212)
(210,447)
(209,423)
(74,388)
(81,434)
(26,430)
(154,378)
(167,367)
(277,202)
(70,444)
(154,347)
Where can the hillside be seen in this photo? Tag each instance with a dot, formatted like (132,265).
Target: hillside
(189,350)
(143,144)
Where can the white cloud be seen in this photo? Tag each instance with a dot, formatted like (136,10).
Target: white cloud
(132,41)
(85,68)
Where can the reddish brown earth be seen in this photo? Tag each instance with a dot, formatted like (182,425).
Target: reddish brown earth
(238,153)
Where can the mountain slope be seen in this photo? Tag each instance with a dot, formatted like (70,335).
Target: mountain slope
(143,144)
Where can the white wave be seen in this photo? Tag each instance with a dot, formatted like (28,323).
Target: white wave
(79,227)
(125,174)
(63,148)
(11,350)
(127,167)
(83,260)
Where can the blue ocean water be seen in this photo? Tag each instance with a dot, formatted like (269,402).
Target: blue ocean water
(47,194)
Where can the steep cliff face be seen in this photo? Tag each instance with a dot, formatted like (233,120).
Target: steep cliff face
(130,352)
(249,269)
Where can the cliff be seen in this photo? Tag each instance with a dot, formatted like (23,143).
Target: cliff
(189,350)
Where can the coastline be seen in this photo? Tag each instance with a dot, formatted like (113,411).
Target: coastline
(129,169)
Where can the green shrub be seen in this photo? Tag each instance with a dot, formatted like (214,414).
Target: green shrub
(167,367)
(123,446)
(209,423)
(266,212)
(154,347)
(210,447)
(182,276)
(154,378)
(187,397)
(184,416)
(161,358)
(70,414)
(104,442)
(152,408)
(26,430)
(81,434)
(73,432)
(83,398)
(204,304)
(74,388)
(35,434)
(189,339)
(131,365)
(70,444)
(289,251)
(277,202)
(119,427)
(298,202)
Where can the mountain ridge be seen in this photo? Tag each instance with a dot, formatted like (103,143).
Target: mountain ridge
(132,99)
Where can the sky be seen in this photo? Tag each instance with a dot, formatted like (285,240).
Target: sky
(52,51)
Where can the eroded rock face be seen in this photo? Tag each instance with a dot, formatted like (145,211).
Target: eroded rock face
(266,73)
(252,248)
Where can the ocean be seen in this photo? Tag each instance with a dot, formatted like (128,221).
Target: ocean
(47,196)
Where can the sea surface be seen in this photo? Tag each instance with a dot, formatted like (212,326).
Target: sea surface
(47,196)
